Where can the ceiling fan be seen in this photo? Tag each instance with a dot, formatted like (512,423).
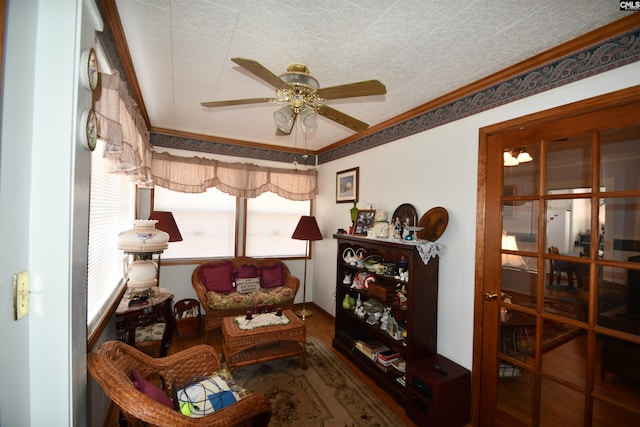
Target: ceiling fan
(303,96)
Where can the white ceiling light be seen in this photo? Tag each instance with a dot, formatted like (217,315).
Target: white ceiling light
(284,119)
(309,120)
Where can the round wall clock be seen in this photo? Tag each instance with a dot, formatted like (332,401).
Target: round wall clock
(89,130)
(89,73)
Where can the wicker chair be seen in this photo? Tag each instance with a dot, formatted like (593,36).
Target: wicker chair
(213,317)
(112,363)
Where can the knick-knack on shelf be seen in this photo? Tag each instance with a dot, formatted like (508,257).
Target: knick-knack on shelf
(354,213)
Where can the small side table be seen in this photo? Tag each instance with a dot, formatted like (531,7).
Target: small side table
(158,310)
(438,392)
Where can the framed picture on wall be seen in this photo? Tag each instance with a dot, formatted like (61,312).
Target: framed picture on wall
(347,185)
(364,221)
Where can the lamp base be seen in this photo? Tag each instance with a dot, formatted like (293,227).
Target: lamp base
(304,313)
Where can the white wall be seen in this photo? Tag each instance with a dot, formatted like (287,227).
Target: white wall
(15,182)
(437,168)
(44,188)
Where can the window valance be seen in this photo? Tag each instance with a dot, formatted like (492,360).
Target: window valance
(124,131)
(196,174)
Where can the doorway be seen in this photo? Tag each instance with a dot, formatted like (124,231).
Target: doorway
(557,338)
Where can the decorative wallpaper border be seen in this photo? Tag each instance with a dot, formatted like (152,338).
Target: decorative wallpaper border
(226,149)
(607,55)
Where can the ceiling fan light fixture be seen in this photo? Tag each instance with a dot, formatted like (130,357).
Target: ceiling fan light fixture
(284,119)
(301,90)
(309,120)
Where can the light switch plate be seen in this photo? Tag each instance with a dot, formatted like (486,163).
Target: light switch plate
(20,295)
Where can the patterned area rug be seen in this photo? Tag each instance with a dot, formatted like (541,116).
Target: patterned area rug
(326,394)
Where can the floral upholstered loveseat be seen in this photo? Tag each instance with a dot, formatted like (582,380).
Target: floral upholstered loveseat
(219,286)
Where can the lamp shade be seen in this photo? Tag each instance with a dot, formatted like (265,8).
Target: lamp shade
(167,223)
(524,157)
(143,237)
(309,120)
(510,260)
(284,119)
(307,229)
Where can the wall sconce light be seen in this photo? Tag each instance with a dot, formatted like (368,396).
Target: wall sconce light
(515,156)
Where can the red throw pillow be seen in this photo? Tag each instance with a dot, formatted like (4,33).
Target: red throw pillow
(272,276)
(217,277)
(150,390)
(247,271)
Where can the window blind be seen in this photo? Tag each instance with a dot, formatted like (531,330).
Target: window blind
(111,211)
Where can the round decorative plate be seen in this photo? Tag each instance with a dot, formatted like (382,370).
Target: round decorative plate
(89,130)
(404,212)
(90,69)
(435,221)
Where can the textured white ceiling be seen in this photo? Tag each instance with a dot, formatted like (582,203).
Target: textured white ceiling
(420,49)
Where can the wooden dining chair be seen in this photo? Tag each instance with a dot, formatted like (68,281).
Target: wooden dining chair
(556,267)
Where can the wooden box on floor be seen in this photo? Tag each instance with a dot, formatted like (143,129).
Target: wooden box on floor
(438,392)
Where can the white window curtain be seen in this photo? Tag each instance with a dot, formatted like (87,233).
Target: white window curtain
(124,131)
(196,174)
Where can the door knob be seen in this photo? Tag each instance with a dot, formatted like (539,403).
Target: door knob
(490,296)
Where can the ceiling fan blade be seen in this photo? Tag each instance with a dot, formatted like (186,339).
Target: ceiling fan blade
(342,118)
(259,70)
(349,90)
(236,102)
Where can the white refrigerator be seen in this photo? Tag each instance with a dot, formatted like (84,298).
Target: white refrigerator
(559,230)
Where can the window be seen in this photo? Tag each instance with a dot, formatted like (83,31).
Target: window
(111,212)
(271,219)
(207,222)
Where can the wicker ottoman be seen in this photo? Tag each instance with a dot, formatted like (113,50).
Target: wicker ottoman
(248,347)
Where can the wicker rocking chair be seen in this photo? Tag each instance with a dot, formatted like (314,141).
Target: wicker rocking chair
(112,363)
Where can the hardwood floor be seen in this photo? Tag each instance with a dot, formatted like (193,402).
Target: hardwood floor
(320,325)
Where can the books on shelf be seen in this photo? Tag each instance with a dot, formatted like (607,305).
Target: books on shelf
(387,357)
(370,348)
(384,368)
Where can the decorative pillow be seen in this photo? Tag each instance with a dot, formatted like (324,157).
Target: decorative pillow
(246,271)
(248,285)
(217,277)
(203,395)
(272,276)
(150,390)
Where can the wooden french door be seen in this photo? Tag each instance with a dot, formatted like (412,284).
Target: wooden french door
(557,333)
